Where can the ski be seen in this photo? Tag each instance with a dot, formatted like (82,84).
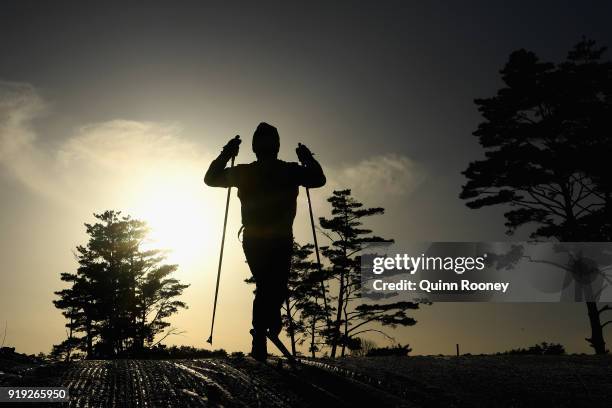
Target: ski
(281,347)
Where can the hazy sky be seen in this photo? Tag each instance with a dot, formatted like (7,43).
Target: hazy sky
(123,106)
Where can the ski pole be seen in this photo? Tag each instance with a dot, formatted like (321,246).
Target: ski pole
(229,190)
(316,244)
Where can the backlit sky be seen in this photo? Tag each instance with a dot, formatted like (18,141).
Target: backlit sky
(122,106)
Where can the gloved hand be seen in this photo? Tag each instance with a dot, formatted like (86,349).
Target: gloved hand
(232,147)
(303,153)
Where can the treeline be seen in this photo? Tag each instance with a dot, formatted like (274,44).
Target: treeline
(541,349)
(121,294)
(161,351)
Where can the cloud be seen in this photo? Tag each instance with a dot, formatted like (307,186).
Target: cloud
(94,160)
(98,161)
(19,105)
(119,144)
(384,175)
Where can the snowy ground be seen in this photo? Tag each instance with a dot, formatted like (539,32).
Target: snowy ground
(473,381)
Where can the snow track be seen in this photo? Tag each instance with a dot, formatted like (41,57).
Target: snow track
(210,383)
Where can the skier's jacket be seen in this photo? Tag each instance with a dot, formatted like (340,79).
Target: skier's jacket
(268,191)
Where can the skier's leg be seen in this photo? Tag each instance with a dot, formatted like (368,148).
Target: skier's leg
(257,264)
(280,271)
(258,345)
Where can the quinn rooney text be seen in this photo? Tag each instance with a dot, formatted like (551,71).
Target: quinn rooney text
(440,286)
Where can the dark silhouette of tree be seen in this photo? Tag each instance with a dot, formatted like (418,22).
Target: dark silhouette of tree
(78,305)
(348,240)
(68,348)
(546,137)
(396,350)
(121,294)
(306,311)
(540,349)
(365,346)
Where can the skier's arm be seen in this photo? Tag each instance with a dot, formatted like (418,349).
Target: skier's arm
(312,175)
(217,174)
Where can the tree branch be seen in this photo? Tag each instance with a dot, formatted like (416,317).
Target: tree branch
(375,330)
(173,331)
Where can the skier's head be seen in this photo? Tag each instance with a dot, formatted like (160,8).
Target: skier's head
(266,141)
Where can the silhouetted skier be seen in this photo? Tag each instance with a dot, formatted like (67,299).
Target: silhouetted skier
(268,190)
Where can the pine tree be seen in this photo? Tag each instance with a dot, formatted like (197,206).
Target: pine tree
(348,240)
(306,315)
(121,294)
(547,142)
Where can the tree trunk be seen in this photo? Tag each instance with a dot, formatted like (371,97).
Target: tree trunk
(337,323)
(345,332)
(291,328)
(69,348)
(312,338)
(596,340)
(89,350)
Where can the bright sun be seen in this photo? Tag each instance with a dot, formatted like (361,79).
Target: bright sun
(176,212)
